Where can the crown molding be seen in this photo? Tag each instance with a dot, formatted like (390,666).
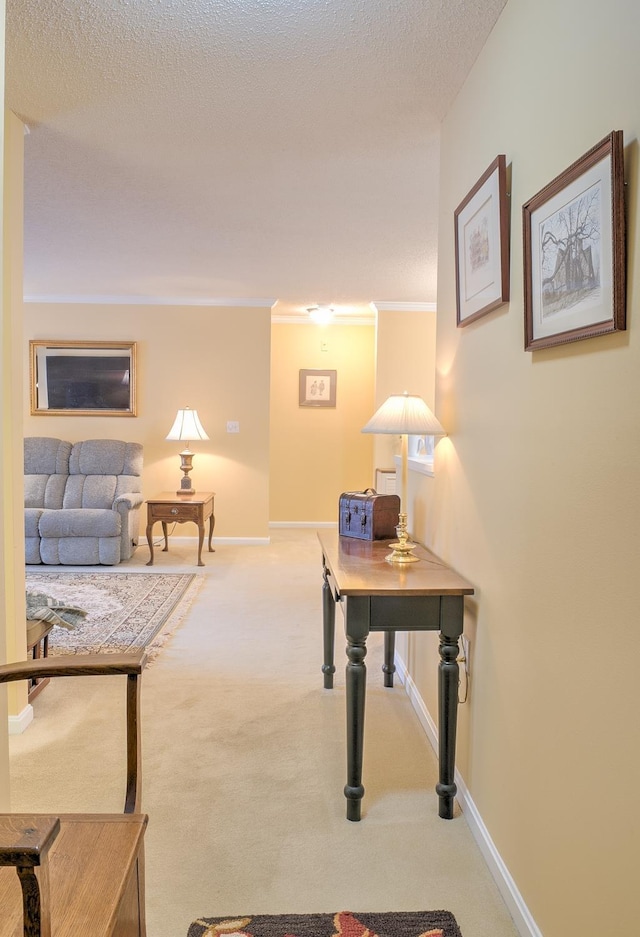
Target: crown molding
(405,307)
(147,300)
(248,302)
(337,320)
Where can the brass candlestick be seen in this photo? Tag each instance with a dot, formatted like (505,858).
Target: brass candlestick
(401,549)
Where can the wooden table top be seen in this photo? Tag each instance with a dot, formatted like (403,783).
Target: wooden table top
(170,497)
(359,567)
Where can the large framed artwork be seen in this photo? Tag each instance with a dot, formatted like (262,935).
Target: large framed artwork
(482,245)
(574,251)
(71,378)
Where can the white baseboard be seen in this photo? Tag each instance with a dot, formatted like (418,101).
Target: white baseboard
(301,524)
(242,541)
(521,915)
(231,541)
(17,724)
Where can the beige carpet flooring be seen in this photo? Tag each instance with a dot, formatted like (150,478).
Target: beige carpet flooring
(244,764)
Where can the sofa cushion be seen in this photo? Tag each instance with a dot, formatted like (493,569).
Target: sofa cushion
(31,521)
(80,551)
(44,491)
(46,469)
(32,550)
(80,522)
(44,455)
(89,491)
(106,457)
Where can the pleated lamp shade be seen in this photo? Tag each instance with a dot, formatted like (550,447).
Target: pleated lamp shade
(404,414)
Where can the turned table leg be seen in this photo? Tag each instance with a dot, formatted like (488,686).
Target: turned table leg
(329,631)
(448,678)
(357,622)
(389,668)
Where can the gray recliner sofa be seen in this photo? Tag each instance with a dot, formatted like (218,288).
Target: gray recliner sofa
(82,500)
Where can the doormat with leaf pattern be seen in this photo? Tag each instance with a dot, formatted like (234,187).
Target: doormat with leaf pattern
(342,924)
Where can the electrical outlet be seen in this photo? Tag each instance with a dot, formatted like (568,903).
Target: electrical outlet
(233,426)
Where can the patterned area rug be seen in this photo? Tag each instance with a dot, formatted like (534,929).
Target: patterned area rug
(124,610)
(342,924)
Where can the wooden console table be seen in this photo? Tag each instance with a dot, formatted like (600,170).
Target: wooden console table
(169,507)
(377,596)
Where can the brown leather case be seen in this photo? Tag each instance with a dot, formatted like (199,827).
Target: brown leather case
(367,515)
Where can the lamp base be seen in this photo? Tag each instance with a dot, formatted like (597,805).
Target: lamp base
(401,549)
(185,487)
(186,464)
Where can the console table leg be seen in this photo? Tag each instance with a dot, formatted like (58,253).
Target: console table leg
(389,668)
(329,632)
(356,681)
(448,676)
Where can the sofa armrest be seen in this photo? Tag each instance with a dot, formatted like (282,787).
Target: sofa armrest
(129,501)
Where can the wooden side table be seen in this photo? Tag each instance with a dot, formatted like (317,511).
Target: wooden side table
(169,507)
(38,647)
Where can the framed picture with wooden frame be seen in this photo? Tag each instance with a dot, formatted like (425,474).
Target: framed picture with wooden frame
(482,245)
(317,388)
(82,378)
(574,251)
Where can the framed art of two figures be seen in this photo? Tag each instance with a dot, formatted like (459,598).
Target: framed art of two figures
(574,249)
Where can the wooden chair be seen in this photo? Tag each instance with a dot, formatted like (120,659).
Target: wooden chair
(78,875)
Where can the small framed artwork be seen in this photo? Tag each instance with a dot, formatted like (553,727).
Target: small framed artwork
(482,245)
(317,388)
(574,251)
(83,378)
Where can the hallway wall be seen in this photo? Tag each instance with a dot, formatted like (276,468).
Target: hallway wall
(318,453)
(535,492)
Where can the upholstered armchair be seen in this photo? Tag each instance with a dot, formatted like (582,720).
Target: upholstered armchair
(82,500)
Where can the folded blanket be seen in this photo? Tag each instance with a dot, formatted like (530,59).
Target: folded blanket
(44,608)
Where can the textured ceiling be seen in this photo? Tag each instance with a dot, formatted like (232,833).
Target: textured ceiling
(200,150)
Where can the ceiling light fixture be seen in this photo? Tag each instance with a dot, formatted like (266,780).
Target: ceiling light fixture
(321,315)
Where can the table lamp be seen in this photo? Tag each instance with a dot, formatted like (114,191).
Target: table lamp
(186,426)
(405,415)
